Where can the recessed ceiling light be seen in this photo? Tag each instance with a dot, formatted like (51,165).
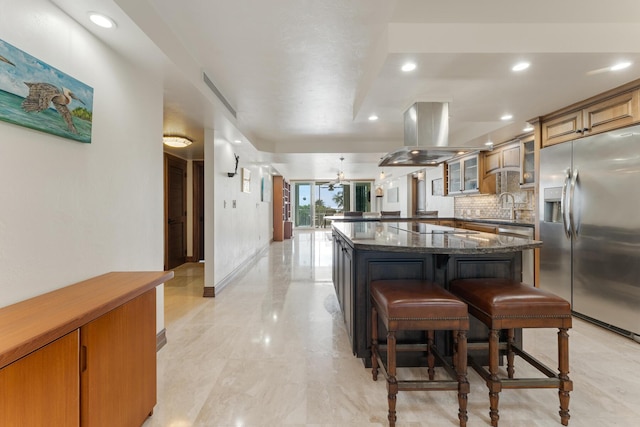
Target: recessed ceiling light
(527,128)
(237,141)
(506,117)
(415,151)
(620,66)
(373,118)
(101,20)
(520,66)
(488,143)
(409,66)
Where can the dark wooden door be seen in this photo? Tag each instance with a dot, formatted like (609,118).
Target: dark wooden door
(198,210)
(176,212)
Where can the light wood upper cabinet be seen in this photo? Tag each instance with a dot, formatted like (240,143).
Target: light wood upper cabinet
(602,116)
(466,175)
(511,157)
(504,157)
(561,129)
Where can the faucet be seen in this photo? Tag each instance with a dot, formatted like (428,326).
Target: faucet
(512,214)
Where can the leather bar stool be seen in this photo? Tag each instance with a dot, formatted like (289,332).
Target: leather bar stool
(504,304)
(425,306)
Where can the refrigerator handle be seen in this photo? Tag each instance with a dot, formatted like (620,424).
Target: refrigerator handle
(572,222)
(563,204)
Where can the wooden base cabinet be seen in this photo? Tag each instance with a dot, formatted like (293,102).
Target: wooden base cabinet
(42,388)
(83,355)
(118,367)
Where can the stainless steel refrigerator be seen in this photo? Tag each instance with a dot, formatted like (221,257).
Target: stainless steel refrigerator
(590,227)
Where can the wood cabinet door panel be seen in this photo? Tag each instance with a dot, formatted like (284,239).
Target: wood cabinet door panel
(43,388)
(562,129)
(118,375)
(613,113)
(492,161)
(511,157)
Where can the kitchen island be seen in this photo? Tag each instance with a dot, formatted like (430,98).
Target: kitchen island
(366,251)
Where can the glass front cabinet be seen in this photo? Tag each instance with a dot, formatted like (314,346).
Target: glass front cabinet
(463,175)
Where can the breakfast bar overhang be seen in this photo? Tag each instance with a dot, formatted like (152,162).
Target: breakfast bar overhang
(367,251)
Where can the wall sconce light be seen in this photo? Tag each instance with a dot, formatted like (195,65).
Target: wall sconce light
(235,172)
(379,192)
(176,141)
(420,175)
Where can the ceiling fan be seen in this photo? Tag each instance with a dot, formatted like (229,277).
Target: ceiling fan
(340,178)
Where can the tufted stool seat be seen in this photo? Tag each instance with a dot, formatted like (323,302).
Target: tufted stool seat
(508,304)
(419,305)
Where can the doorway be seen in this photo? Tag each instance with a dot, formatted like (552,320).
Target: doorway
(198,211)
(175,253)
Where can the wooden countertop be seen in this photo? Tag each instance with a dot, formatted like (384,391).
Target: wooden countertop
(414,236)
(33,323)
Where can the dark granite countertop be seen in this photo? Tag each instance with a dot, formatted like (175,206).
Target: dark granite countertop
(497,221)
(414,236)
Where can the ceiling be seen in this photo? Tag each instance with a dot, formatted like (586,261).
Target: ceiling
(304,76)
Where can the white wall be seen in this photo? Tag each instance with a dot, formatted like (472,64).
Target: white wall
(444,205)
(388,204)
(70,211)
(240,232)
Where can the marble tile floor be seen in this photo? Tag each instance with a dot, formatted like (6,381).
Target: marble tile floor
(271,350)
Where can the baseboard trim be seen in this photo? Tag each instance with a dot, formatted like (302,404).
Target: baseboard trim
(161,339)
(241,269)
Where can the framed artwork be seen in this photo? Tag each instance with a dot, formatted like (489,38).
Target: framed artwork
(392,195)
(265,189)
(437,188)
(246,180)
(35,95)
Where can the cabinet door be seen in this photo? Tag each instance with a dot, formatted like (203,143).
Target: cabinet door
(43,388)
(470,174)
(492,161)
(118,370)
(511,157)
(562,129)
(348,291)
(617,112)
(454,175)
(527,165)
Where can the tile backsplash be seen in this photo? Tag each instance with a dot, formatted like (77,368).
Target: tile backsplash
(488,206)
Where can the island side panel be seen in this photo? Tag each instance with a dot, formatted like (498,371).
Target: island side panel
(503,265)
(378,265)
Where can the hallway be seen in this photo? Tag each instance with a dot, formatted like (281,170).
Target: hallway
(271,350)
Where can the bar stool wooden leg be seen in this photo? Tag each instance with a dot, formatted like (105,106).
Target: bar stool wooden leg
(494,384)
(431,359)
(460,357)
(374,343)
(510,353)
(566,385)
(392,384)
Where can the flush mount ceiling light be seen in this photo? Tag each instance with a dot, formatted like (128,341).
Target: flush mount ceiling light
(506,117)
(620,66)
(101,20)
(409,66)
(176,141)
(520,66)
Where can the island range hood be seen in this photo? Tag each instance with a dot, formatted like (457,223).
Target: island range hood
(426,137)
